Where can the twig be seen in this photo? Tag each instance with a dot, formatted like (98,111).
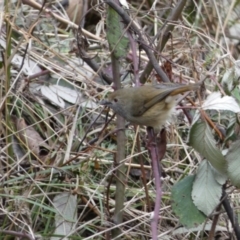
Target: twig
(120,155)
(93,64)
(144,180)
(232,217)
(38,6)
(142,42)
(156,155)
(18,234)
(163,34)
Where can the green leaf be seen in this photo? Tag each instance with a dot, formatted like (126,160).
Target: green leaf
(183,205)
(206,192)
(233,163)
(201,139)
(216,102)
(118,43)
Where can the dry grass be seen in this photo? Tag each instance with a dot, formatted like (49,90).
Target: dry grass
(63,149)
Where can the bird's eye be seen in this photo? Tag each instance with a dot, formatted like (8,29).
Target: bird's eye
(115,100)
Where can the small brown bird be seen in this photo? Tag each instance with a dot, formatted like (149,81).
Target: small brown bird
(149,105)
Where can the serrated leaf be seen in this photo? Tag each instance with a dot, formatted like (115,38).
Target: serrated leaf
(216,102)
(183,205)
(118,43)
(196,117)
(219,177)
(233,163)
(201,139)
(206,192)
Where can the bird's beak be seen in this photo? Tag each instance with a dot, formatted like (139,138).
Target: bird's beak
(105,102)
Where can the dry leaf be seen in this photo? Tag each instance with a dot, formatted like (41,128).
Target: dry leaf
(29,136)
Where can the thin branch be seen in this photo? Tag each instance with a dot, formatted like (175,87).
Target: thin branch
(94,65)
(156,151)
(38,6)
(163,35)
(231,215)
(143,44)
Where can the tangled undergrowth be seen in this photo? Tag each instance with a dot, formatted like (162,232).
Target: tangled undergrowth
(58,144)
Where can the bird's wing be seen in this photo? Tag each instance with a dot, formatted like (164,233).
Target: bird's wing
(153,101)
